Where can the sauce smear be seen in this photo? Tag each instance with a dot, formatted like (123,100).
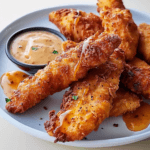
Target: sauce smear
(9,81)
(62,121)
(139,119)
(36,47)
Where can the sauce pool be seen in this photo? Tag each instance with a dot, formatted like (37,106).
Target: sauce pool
(9,81)
(139,119)
(36,47)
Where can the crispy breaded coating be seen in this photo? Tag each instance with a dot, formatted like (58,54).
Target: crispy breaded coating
(67,45)
(120,22)
(136,77)
(144,42)
(125,101)
(76,25)
(88,102)
(60,73)
(110,4)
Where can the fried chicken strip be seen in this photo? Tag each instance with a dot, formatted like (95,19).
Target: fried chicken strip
(60,73)
(125,101)
(76,25)
(136,77)
(120,22)
(110,4)
(88,102)
(144,42)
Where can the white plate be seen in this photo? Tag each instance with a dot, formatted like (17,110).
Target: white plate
(30,120)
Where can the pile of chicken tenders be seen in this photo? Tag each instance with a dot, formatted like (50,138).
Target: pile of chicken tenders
(105,62)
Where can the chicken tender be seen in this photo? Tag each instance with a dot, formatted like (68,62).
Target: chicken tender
(88,102)
(76,25)
(120,22)
(125,101)
(144,42)
(110,4)
(136,77)
(60,73)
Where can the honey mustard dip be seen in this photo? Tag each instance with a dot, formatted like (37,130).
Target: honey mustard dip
(36,47)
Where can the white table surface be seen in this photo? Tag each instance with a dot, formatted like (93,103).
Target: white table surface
(12,138)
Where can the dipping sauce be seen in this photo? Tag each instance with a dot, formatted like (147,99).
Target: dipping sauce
(9,81)
(36,47)
(139,119)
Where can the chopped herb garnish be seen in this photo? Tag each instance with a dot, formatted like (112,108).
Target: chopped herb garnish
(75,97)
(35,48)
(55,52)
(7,100)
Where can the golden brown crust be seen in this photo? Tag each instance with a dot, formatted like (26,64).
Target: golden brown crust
(66,68)
(125,101)
(136,77)
(67,45)
(144,42)
(110,4)
(76,25)
(120,22)
(93,104)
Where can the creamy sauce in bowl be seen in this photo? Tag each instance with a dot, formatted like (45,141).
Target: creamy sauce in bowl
(36,47)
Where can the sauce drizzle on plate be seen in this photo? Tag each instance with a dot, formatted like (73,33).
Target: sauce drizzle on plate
(9,81)
(139,119)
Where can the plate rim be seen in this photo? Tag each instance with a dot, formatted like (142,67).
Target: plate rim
(44,135)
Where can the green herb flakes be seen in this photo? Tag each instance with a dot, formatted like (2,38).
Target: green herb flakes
(55,52)
(7,100)
(75,97)
(34,48)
